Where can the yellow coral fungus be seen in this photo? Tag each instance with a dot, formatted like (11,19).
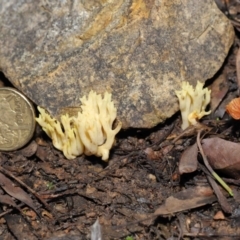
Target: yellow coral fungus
(90,132)
(193,103)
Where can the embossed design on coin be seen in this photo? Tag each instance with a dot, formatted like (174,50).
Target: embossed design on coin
(17,119)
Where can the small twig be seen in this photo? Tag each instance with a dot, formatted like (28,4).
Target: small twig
(214,174)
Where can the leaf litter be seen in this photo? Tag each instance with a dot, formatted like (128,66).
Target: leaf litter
(9,187)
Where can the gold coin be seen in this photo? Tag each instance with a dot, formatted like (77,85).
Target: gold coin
(17,119)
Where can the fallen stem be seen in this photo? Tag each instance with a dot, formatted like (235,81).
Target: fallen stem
(214,174)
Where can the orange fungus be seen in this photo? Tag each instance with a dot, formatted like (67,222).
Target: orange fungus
(233,108)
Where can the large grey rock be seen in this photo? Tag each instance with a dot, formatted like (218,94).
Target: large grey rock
(140,50)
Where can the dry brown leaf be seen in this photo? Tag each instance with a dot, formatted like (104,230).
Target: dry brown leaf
(188,161)
(186,199)
(6,199)
(19,227)
(219,216)
(90,189)
(16,192)
(223,156)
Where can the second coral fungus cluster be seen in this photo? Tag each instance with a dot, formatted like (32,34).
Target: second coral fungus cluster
(193,103)
(90,132)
